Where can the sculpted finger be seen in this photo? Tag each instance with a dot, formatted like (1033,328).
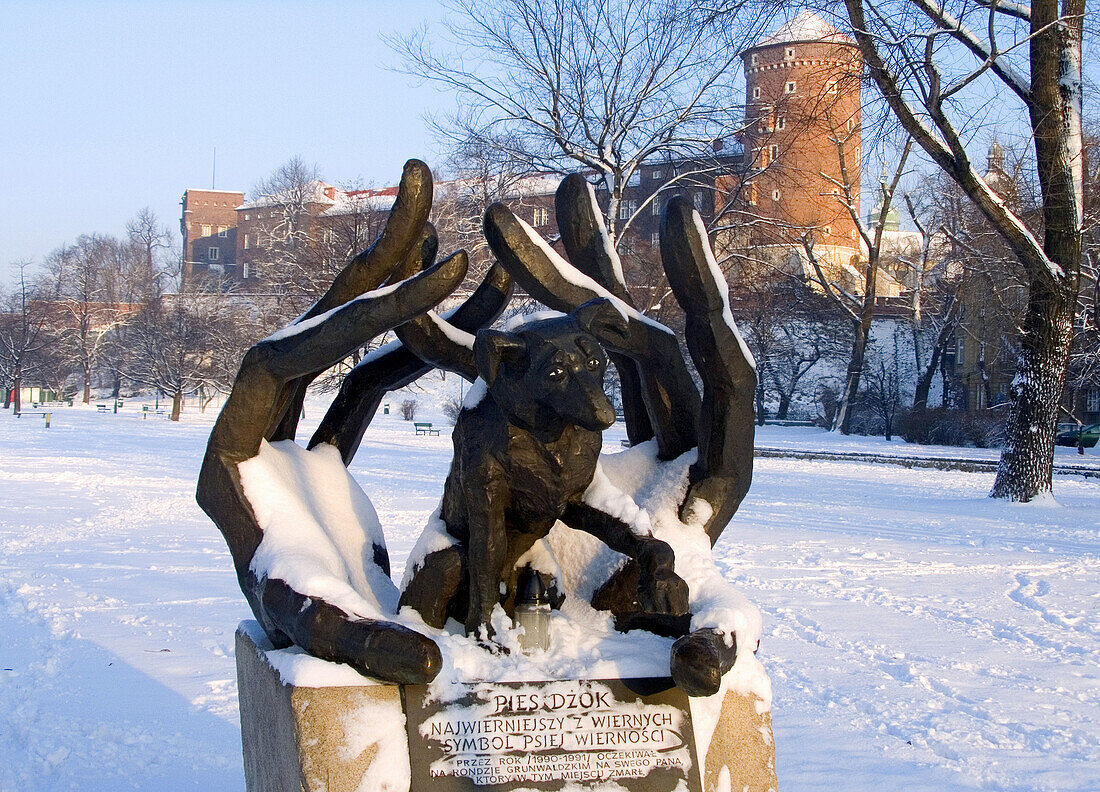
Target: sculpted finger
(393,366)
(439,343)
(373,266)
(379,649)
(314,345)
(700,659)
(587,244)
(419,257)
(720,478)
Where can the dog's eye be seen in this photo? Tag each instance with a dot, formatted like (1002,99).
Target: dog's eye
(593,364)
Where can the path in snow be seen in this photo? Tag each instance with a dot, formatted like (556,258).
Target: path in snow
(917,633)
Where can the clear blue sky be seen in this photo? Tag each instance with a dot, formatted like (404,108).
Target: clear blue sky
(106,107)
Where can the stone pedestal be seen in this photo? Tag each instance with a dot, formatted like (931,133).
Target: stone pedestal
(342,738)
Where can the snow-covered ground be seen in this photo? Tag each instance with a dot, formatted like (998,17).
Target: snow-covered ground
(919,635)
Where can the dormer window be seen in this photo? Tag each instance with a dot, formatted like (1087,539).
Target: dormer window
(792,87)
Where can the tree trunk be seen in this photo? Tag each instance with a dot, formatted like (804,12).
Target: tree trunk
(17,400)
(1027,460)
(924,382)
(87,384)
(177,405)
(1028,457)
(784,406)
(855,369)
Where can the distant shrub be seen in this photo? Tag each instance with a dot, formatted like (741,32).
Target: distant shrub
(451,408)
(943,426)
(408,409)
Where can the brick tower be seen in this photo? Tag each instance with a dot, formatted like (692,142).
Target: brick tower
(802,104)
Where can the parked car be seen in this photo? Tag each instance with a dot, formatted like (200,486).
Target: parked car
(1069,436)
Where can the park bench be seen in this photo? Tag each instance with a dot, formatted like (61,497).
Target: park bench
(423,428)
(148,409)
(102,408)
(45,414)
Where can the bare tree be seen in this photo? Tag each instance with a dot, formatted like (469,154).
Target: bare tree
(857,305)
(84,302)
(557,84)
(145,231)
(304,229)
(790,330)
(482,173)
(187,341)
(918,53)
(24,335)
(884,388)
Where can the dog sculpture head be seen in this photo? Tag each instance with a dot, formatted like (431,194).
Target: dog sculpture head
(550,372)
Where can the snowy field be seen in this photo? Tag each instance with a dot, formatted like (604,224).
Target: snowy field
(919,636)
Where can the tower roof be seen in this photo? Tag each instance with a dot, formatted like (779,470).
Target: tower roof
(806,26)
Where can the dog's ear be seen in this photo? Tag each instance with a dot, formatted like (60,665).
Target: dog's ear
(601,318)
(494,347)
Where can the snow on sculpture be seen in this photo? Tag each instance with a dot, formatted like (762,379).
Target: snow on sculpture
(311,558)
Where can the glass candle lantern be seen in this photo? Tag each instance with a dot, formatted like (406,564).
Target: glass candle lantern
(532,611)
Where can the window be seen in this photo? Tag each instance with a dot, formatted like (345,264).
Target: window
(247,242)
(655,207)
(212,254)
(205,230)
(790,52)
(1092,400)
(697,201)
(781,123)
(792,86)
(627,209)
(246,216)
(752,59)
(826,230)
(223,232)
(756,92)
(634,180)
(750,194)
(540,216)
(851,125)
(776,195)
(960,352)
(830,87)
(655,239)
(656,174)
(244,270)
(773,152)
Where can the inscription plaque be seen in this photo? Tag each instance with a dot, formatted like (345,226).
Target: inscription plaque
(632,734)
